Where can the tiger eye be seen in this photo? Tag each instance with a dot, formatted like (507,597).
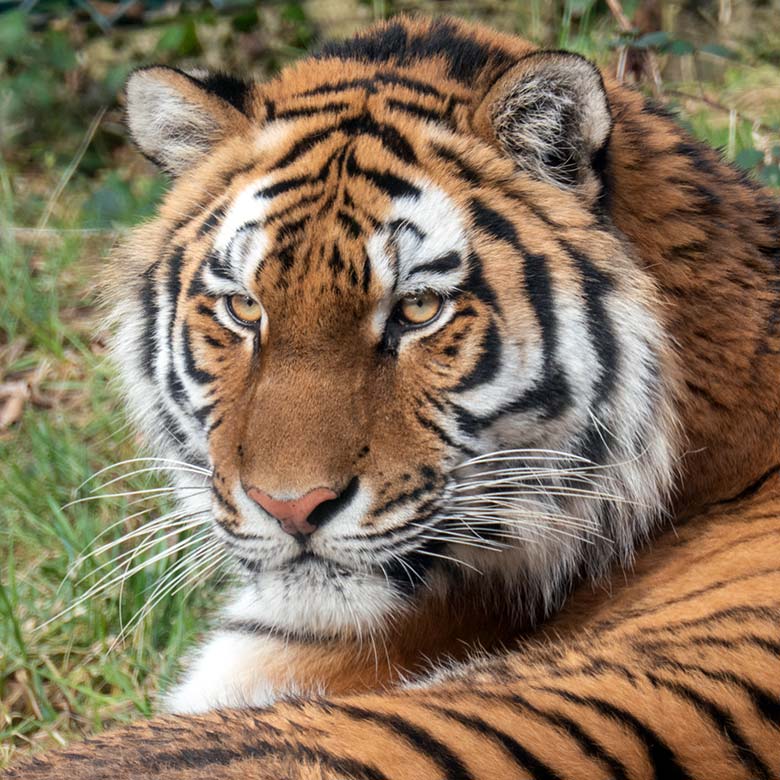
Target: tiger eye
(419,308)
(244,309)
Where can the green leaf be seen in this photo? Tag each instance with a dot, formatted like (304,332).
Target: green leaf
(653,39)
(293,12)
(245,21)
(111,204)
(180,40)
(58,51)
(719,50)
(679,47)
(770,175)
(13,34)
(749,158)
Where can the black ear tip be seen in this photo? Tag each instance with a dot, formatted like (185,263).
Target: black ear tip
(232,89)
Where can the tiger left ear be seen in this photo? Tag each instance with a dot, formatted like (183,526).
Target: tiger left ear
(551,115)
(177,118)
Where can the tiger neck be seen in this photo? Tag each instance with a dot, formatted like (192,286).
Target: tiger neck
(711,240)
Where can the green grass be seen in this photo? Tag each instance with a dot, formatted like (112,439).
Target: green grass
(68,677)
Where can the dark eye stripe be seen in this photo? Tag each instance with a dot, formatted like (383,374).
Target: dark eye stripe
(441,265)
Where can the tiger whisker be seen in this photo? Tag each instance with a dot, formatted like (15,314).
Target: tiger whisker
(452,560)
(126,559)
(520,454)
(560,493)
(190,573)
(174,528)
(509,510)
(176,517)
(99,587)
(544,530)
(147,470)
(146,491)
(197,469)
(457,539)
(591,526)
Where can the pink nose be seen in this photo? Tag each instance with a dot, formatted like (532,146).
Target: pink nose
(293,515)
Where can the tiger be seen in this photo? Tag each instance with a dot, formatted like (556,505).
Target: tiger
(474,354)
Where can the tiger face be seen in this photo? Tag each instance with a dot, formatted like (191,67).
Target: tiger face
(384,309)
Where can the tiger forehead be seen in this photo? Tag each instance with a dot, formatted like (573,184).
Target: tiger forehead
(292,222)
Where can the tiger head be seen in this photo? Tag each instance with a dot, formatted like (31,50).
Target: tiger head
(384,313)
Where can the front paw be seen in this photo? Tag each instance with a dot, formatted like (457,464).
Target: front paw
(230,670)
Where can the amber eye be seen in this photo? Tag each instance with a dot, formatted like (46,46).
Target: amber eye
(419,308)
(245,310)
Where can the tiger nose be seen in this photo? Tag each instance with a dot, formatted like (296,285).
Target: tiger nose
(293,515)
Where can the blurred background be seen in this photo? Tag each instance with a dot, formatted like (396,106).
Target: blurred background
(70,184)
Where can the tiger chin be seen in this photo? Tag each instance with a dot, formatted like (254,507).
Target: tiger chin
(386,312)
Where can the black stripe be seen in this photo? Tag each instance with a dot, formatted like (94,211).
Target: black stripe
(389,183)
(151,311)
(397,225)
(292,113)
(430,482)
(488,364)
(211,221)
(202,414)
(340,86)
(195,373)
(222,499)
(366,272)
(351,225)
(768,704)
(521,755)
(587,744)
(465,171)
(443,435)
(415,109)
(365,124)
(175,270)
(280,187)
(596,285)
(467,58)
(441,265)
(389,77)
(477,285)
(432,748)
(551,393)
(661,757)
(193,758)
(724,724)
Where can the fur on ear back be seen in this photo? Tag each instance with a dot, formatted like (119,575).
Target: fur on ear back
(176,118)
(551,115)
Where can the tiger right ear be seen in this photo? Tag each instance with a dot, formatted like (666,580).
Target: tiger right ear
(551,115)
(176,118)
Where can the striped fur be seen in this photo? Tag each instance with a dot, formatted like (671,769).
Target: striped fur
(605,361)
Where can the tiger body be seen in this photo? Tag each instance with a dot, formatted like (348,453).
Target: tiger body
(602,360)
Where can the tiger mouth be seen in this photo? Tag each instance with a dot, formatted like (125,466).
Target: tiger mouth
(305,559)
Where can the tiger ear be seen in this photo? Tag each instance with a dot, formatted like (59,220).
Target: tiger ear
(176,119)
(550,114)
